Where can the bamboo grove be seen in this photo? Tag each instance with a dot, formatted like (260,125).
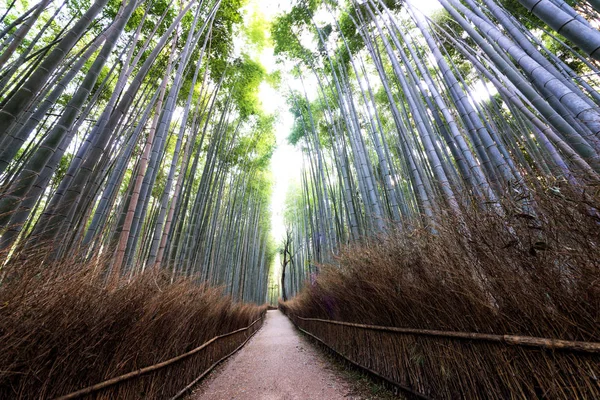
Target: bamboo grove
(132,131)
(406,117)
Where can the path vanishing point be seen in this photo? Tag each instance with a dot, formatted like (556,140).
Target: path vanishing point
(276,364)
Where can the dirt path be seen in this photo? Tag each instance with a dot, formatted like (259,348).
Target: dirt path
(276,364)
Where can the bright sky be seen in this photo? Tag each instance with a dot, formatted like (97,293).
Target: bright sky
(286,163)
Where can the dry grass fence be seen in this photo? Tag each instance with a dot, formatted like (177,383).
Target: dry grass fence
(508,275)
(62,330)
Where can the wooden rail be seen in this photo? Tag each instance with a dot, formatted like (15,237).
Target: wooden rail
(557,353)
(151,368)
(405,389)
(203,374)
(514,340)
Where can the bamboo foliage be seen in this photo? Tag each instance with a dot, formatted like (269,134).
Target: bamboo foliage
(417,115)
(130,130)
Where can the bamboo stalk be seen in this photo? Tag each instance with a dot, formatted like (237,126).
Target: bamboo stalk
(151,368)
(514,340)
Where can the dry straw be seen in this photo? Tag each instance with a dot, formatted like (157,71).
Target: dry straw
(507,275)
(62,330)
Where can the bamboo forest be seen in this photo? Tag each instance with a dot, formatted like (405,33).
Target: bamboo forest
(301,196)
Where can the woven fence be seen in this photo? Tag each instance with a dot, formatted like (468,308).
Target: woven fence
(172,378)
(453,365)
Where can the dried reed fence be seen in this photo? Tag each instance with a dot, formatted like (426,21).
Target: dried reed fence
(449,298)
(210,353)
(62,330)
(404,359)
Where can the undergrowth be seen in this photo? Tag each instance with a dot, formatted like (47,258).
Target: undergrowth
(63,329)
(534,274)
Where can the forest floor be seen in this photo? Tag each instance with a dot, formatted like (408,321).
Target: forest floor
(279,363)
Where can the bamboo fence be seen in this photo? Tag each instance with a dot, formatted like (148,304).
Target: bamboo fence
(432,364)
(203,358)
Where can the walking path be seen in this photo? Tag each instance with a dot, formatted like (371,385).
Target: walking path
(276,364)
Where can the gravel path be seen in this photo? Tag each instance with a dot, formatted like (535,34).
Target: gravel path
(276,364)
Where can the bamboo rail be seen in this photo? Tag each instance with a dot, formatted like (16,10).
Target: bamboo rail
(202,375)
(514,340)
(399,386)
(151,368)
